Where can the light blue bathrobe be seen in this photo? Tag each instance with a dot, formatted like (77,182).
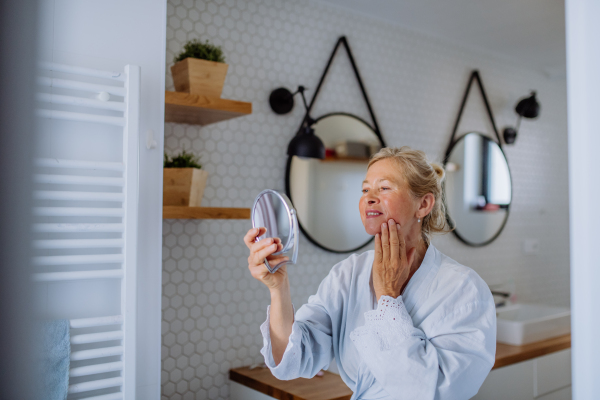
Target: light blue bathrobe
(435,341)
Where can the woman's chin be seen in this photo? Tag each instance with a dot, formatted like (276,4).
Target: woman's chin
(372,229)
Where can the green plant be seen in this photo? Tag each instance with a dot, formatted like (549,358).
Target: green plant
(204,51)
(182,160)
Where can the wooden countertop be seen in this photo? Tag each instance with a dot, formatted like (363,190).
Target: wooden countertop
(327,387)
(507,354)
(331,387)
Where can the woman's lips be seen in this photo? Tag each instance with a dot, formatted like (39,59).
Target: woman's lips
(373,214)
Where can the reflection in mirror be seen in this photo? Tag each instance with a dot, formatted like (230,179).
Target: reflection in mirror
(478,189)
(273,210)
(271,213)
(326,192)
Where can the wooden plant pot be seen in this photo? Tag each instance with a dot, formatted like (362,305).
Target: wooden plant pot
(183,186)
(199,77)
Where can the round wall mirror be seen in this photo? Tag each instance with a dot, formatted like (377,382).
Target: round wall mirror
(478,189)
(326,192)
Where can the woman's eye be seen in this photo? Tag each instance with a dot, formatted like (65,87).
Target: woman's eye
(365,190)
(385,188)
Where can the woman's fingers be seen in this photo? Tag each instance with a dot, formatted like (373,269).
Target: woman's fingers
(258,246)
(276,260)
(258,249)
(385,242)
(273,260)
(394,242)
(252,234)
(260,255)
(402,245)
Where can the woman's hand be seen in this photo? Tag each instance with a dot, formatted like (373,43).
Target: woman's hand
(261,250)
(281,311)
(391,266)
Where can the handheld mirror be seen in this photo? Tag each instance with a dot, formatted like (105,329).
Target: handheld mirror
(274,211)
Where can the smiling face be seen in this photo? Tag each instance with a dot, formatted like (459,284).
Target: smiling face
(386,195)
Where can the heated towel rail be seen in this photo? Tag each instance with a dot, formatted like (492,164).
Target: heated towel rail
(85,217)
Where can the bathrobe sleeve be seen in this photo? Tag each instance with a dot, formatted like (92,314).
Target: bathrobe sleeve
(451,363)
(309,348)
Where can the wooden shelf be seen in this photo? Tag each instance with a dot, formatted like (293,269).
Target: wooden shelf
(177,212)
(195,109)
(346,159)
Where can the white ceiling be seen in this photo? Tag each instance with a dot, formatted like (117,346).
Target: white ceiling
(530,31)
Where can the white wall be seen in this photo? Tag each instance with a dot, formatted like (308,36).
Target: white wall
(17,131)
(583,64)
(212,308)
(108,35)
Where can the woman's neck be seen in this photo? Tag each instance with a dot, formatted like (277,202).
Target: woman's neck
(421,249)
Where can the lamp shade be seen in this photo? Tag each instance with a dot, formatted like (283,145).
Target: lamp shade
(307,145)
(528,107)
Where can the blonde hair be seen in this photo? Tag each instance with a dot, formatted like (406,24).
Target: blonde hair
(422,177)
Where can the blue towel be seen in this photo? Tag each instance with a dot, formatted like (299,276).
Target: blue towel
(55,359)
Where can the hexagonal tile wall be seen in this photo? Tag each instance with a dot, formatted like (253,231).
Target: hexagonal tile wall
(212,308)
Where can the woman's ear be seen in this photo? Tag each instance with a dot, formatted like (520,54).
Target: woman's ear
(426,205)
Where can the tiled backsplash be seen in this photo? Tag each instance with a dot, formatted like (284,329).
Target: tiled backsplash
(212,308)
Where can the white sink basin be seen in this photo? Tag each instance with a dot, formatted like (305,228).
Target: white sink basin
(520,324)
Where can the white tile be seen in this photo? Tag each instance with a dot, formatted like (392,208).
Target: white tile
(415,84)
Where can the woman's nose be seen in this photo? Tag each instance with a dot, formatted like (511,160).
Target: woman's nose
(371,199)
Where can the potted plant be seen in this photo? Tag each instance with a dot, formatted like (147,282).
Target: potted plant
(200,69)
(184,180)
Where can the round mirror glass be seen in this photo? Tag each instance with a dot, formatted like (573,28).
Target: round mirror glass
(273,211)
(478,189)
(270,212)
(326,192)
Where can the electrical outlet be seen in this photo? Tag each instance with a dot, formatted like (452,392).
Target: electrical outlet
(531,246)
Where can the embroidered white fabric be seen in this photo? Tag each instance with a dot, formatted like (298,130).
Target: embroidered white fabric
(384,327)
(292,350)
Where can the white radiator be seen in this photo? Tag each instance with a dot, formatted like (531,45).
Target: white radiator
(85,215)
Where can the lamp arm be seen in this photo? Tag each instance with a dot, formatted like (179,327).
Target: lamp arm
(301,90)
(307,121)
(518,125)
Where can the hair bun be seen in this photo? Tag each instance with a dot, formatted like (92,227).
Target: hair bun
(439,171)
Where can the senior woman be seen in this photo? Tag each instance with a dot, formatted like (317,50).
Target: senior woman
(402,321)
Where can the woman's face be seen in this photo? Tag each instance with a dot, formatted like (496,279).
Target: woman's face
(386,195)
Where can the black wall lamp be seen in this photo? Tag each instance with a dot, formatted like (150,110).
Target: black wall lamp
(527,107)
(305,144)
